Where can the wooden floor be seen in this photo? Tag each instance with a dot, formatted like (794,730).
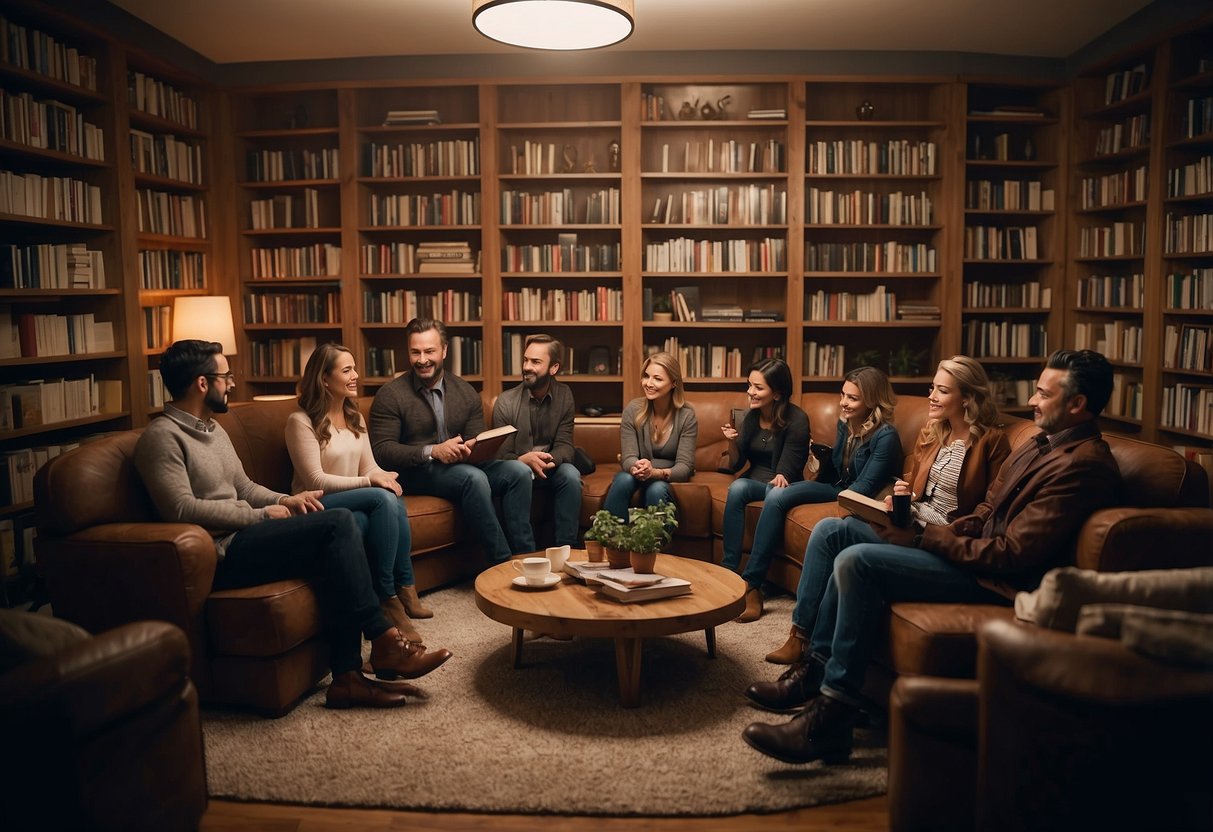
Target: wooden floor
(869,815)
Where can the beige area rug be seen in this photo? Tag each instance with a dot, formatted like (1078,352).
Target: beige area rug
(549,737)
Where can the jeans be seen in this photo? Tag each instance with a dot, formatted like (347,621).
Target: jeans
(619,495)
(472,489)
(324,545)
(742,490)
(830,536)
(564,484)
(866,577)
(386,536)
(769,532)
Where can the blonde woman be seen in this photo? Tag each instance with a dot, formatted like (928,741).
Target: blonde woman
(656,438)
(331,452)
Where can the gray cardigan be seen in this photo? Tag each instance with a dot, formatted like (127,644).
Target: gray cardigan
(402,422)
(512,404)
(635,445)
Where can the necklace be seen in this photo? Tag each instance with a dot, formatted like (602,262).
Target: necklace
(765,435)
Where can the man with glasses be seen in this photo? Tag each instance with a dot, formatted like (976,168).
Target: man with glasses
(193,475)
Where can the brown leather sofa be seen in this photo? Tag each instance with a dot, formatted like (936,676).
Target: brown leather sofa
(100,733)
(1058,732)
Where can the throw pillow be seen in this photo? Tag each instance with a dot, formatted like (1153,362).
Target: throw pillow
(1167,635)
(1065,591)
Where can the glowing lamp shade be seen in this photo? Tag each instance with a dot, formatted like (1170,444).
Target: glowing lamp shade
(205,318)
(554,24)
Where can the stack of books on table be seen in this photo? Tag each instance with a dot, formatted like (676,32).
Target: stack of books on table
(917,312)
(445,258)
(398,117)
(628,586)
(773,113)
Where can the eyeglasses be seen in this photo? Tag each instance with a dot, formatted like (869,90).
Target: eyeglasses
(229,378)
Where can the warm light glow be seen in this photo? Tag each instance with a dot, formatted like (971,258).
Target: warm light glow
(206,318)
(554,24)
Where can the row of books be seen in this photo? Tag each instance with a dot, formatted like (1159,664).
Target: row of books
(1191,179)
(560,207)
(901,157)
(316,307)
(1198,117)
(178,215)
(1128,396)
(997,243)
(157,326)
(683,254)
(51,266)
(1117,239)
(402,305)
(169,269)
(454,208)
(157,393)
(50,197)
(598,359)
(860,208)
(879,305)
(167,156)
(1117,340)
(713,360)
(533,304)
(731,156)
(316,260)
(1188,407)
(1002,339)
(873,258)
(286,211)
(739,205)
(36,51)
(446,258)
(1190,291)
(1125,84)
(1113,188)
(17,472)
(1008,195)
(535,158)
(1188,234)
(39,402)
(826,360)
(31,335)
(565,256)
(49,125)
(280,357)
(1030,295)
(1002,147)
(1133,132)
(1188,347)
(1112,290)
(151,95)
(286,165)
(449,157)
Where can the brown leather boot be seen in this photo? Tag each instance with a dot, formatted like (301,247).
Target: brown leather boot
(353,690)
(412,603)
(793,649)
(396,616)
(393,657)
(753,606)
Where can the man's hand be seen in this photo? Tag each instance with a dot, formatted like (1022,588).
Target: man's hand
(303,502)
(896,535)
(387,480)
(452,450)
(277,512)
(642,470)
(540,462)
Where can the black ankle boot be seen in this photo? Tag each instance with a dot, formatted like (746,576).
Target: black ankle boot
(823,731)
(799,684)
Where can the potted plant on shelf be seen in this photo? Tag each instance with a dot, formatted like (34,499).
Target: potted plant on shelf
(603,526)
(648,530)
(867,358)
(906,362)
(662,310)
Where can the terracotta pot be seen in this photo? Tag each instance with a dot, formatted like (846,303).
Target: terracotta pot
(617,558)
(593,551)
(643,563)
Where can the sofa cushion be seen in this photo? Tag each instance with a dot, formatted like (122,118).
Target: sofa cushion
(1063,592)
(433,522)
(939,639)
(264,620)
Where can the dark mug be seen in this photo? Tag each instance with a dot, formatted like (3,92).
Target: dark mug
(901,510)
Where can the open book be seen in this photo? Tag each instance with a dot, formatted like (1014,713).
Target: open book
(863,506)
(488,442)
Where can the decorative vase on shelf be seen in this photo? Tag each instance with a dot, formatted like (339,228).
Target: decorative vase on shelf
(865,111)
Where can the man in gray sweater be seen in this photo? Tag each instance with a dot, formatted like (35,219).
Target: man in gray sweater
(193,475)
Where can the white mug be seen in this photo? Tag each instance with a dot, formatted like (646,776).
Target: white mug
(534,570)
(558,555)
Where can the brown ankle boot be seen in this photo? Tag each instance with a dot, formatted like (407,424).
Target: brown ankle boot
(412,603)
(394,610)
(392,657)
(793,649)
(753,606)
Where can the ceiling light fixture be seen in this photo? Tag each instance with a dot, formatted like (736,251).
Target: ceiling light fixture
(554,24)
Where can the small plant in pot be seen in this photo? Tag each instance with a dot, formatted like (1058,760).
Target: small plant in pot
(662,309)
(611,532)
(649,529)
(603,527)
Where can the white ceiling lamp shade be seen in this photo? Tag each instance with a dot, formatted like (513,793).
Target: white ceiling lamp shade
(554,24)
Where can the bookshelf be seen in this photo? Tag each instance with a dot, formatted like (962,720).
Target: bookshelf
(1012,261)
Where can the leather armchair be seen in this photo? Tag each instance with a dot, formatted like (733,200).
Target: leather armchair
(1058,732)
(101,733)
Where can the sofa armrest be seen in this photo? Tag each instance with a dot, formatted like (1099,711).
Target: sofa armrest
(1126,539)
(98,681)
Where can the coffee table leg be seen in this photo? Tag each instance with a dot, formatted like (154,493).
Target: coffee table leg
(517,647)
(710,632)
(627,665)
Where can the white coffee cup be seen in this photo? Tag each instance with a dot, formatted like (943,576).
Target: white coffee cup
(534,570)
(558,555)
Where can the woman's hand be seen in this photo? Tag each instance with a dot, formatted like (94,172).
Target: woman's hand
(899,487)
(779,481)
(730,432)
(388,480)
(642,470)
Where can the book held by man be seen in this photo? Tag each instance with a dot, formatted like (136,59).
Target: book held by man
(488,442)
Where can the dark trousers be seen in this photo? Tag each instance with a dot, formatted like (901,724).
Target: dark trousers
(325,545)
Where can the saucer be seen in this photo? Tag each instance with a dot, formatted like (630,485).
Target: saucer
(549,581)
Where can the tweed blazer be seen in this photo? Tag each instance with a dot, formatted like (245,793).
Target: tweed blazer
(1028,524)
(511,407)
(789,449)
(874,462)
(637,444)
(402,422)
(983,460)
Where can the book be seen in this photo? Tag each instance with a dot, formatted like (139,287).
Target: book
(488,442)
(666,588)
(865,507)
(584,570)
(629,577)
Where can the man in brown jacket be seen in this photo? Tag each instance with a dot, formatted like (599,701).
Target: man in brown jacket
(1046,490)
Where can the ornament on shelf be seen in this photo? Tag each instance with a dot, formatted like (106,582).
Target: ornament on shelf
(865,111)
(570,159)
(688,111)
(613,155)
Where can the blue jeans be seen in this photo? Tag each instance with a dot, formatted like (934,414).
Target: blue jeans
(830,536)
(386,535)
(619,495)
(742,490)
(867,576)
(471,488)
(324,545)
(564,484)
(768,534)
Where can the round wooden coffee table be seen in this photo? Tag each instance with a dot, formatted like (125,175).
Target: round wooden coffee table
(573,609)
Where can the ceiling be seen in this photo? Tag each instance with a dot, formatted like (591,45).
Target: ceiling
(232,31)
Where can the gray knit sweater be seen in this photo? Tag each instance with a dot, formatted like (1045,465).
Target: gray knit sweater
(194,476)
